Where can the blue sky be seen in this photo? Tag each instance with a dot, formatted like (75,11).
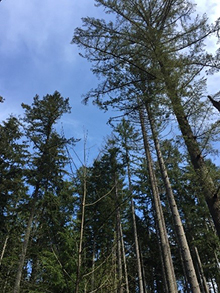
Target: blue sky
(36,57)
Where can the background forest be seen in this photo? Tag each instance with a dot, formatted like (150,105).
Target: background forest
(144,216)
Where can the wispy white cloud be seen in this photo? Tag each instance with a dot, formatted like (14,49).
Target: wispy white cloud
(35,51)
(36,24)
(211,8)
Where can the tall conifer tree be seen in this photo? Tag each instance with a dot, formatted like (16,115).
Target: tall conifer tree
(152,37)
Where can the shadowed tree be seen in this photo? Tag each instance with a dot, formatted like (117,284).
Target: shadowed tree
(47,160)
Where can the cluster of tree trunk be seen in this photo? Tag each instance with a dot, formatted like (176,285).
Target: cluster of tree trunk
(145,215)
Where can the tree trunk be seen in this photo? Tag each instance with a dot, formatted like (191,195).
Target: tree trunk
(78,273)
(25,245)
(185,251)
(210,191)
(214,290)
(204,285)
(124,259)
(118,239)
(3,249)
(140,276)
(144,281)
(163,268)
(114,264)
(170,275)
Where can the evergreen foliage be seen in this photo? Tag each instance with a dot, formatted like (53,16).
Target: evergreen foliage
(109,227)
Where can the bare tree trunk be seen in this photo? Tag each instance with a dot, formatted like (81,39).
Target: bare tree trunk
(163,268)
(124,259)
(143,272)
(3,249)
(204,285)
(114,264)
(25,245)
(185,251)
(186,283)
(78,273)
(217,261)
(170,275)
(140,276)
(119,262)
(118,238)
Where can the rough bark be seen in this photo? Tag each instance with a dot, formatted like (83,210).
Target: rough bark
(210,191)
